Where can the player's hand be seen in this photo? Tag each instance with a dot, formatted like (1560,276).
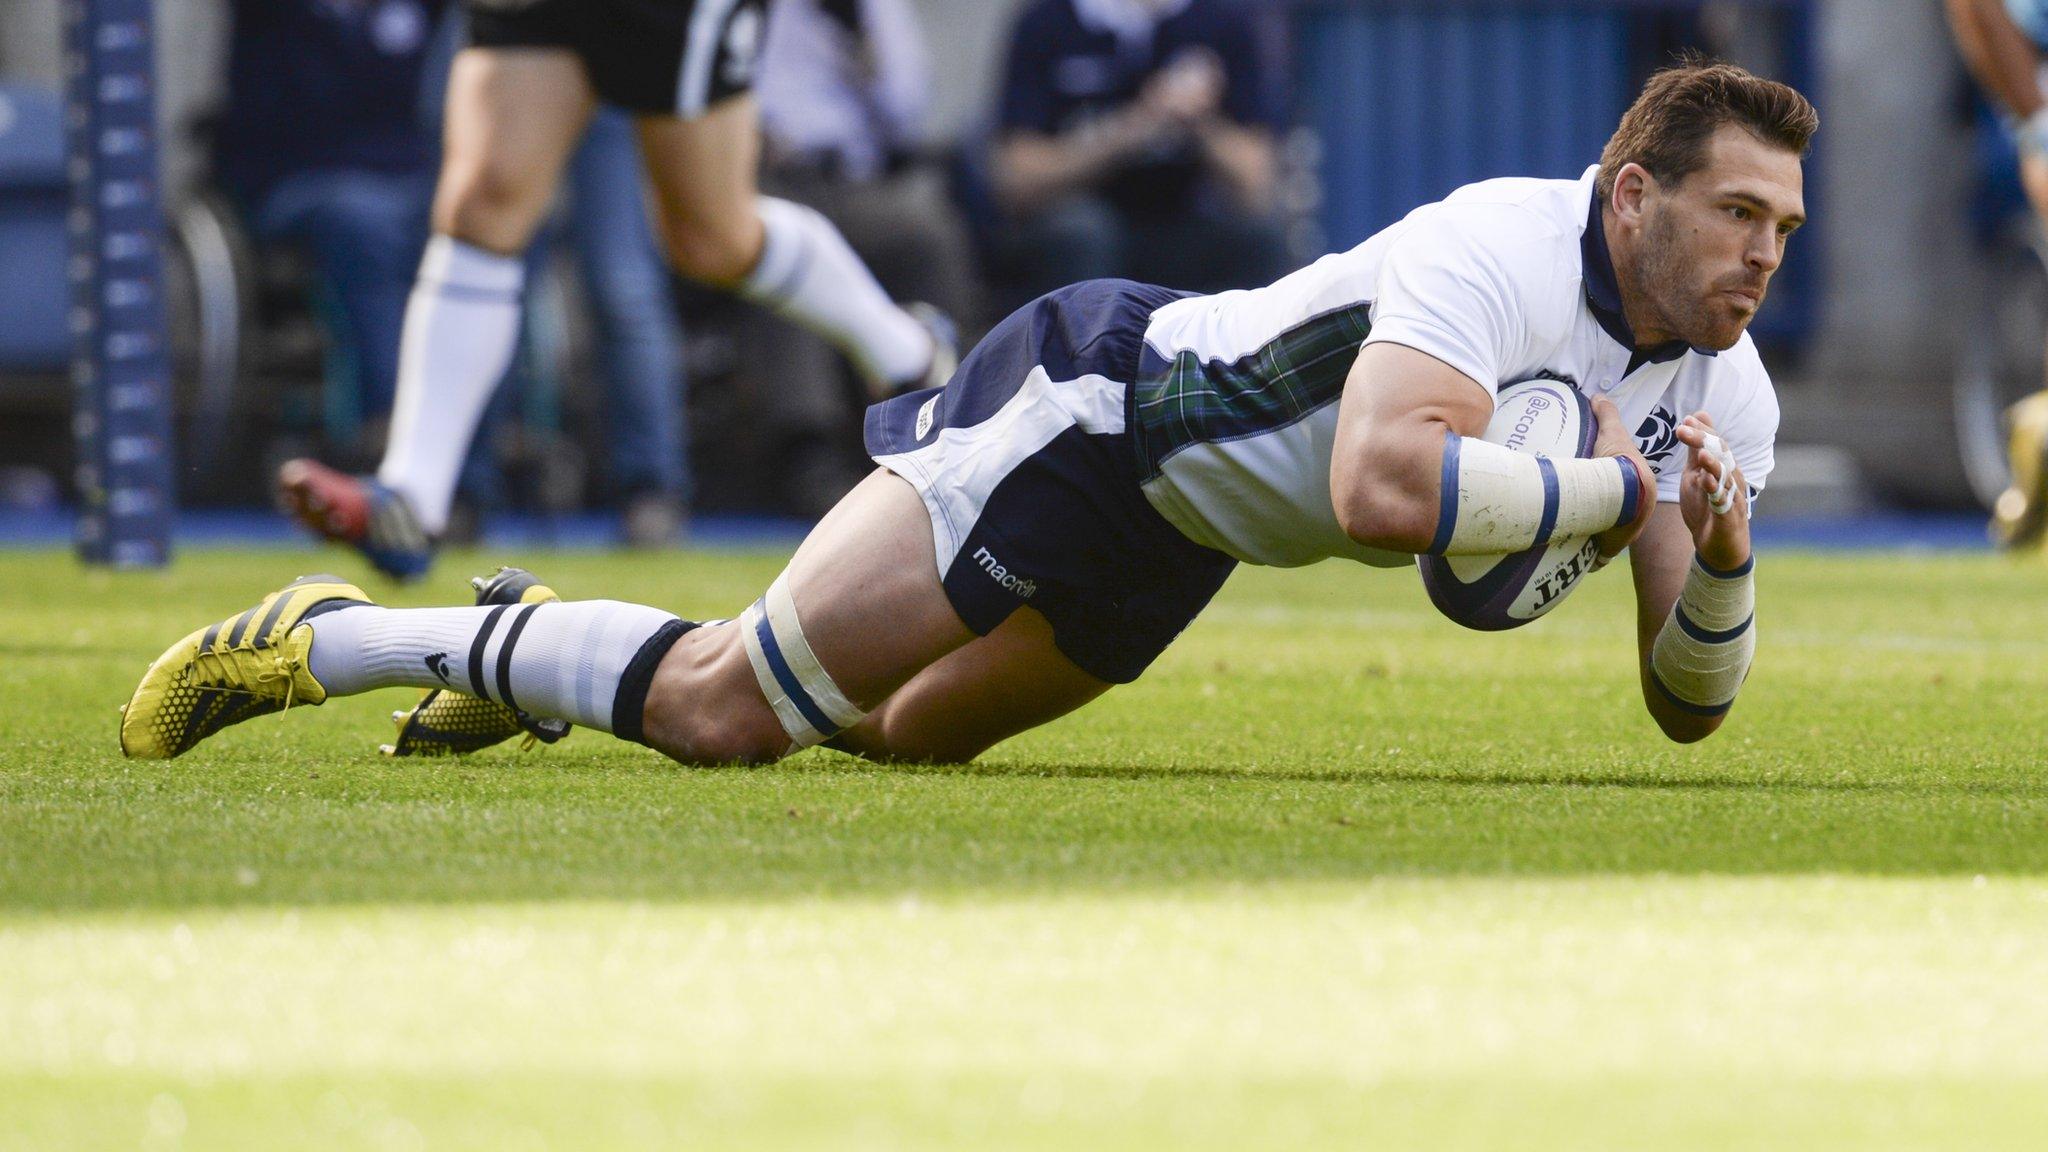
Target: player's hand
(1614,440)
(1712,495)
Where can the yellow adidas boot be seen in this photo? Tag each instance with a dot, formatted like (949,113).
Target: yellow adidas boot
(245,666)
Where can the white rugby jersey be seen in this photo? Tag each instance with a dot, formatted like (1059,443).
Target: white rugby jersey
(1235,408)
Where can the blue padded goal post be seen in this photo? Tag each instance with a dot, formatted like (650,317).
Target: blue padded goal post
(120,365)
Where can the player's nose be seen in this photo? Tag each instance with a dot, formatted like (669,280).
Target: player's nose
(1764,254)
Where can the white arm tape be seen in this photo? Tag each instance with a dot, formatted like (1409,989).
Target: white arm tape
(1704,650)
(1495,500)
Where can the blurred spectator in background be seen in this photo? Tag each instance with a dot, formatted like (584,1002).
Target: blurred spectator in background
(322,144)
(328,142)
(520,96)
(2005,44)
(1138,138)
(845,88)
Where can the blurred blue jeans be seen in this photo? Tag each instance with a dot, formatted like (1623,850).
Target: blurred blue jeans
(364,231)
(639,334)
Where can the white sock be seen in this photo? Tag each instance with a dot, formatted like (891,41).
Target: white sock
(808,274)
(461,329)
(566,661)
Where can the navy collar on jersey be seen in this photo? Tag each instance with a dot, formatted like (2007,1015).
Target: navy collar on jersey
(1603,296)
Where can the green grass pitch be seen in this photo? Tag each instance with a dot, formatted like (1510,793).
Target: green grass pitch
(1335,874)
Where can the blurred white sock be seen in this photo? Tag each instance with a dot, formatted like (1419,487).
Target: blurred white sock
(461,328)
(808,274)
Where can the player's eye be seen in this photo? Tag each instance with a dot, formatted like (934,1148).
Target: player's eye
(1738,212)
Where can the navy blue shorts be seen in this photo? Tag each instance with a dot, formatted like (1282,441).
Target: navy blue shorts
(1032,482)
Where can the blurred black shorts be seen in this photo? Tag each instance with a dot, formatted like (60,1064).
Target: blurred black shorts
(654,57)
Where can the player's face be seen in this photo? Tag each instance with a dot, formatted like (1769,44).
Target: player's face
(1711,243)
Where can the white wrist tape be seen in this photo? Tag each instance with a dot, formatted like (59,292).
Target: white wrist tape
(1495,500)
(1704,650)
(811,707)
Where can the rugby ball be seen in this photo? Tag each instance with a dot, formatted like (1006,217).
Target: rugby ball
(1494,593)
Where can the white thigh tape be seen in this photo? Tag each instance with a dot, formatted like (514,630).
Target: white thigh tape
(811,707)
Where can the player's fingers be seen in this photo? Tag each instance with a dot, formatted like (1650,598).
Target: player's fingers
(1706,460)
(1697,482)
(1722,480)
(1727,489)
(1720,496)
(1605,413)
(1729,473)
(1717,448)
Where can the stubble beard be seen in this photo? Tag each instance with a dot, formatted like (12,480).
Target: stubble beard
(1683,305)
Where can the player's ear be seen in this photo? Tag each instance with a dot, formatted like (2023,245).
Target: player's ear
(1633,187)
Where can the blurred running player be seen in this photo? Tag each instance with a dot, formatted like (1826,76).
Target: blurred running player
(518,100)
(1043,527)
(2005,44)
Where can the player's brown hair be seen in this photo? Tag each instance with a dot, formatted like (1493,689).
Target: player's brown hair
(1667,129)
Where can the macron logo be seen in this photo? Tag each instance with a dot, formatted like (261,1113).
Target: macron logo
(1011,582)
(924,417)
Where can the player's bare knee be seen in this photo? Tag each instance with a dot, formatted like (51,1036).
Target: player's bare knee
(488,207)
(711,254)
